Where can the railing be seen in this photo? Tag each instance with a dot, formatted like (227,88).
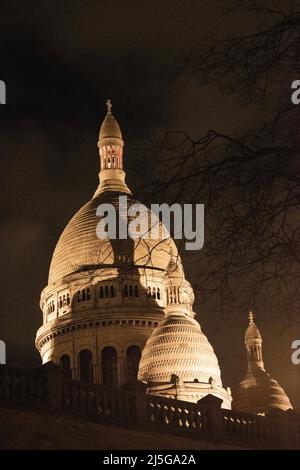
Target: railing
(250,428)
(293,432)
(22,388)
(117,406)
(187,417)
(46,389)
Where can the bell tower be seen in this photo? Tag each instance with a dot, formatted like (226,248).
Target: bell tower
(253,343)
(110,144)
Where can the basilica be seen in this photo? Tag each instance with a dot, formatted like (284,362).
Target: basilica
(119,310)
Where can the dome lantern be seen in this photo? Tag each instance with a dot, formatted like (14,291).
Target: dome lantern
(110,144)
(110,141)
(253,343)
(179,293)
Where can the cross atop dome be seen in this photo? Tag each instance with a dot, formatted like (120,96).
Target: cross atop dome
(109,106)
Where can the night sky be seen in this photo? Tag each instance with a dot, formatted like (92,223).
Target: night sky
(60,62)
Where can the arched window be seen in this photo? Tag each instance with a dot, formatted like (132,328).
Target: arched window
(83,295)
(112,291)
(130,291)
(106,292)
(109,366)
(133,356)
(78,296)
(136,291)
(68,299)
(86,366)
(149,291)
(101,292)
(126,291)
(158,293)
(88,294)
(154,293)
(65,364)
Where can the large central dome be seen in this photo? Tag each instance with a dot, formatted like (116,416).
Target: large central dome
(105,291)
(79,248)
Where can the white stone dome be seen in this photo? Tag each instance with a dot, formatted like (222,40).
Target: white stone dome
(258,392)
(79,249)
(178,346)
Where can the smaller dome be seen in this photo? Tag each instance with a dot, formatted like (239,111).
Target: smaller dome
(178,347)
(258,392)
(110,132)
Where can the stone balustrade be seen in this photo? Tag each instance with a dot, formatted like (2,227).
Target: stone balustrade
(47,389)
(22,388)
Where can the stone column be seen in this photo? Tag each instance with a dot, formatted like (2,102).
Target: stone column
(213,406)
(139,390)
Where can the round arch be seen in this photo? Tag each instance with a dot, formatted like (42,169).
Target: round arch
(133,356)
(85,363)
(65,363)
(109,366)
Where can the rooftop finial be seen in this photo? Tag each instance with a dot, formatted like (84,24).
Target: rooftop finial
(251,318)
(109,106)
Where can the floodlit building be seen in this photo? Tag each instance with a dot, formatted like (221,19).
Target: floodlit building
(106,297)
(116,308)
(125,363)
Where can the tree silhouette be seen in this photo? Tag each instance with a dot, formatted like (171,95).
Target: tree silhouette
(250,183)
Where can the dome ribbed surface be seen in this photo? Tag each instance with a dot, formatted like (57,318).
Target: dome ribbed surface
(79,248)
(110,129)
(178,346)
(259,392)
